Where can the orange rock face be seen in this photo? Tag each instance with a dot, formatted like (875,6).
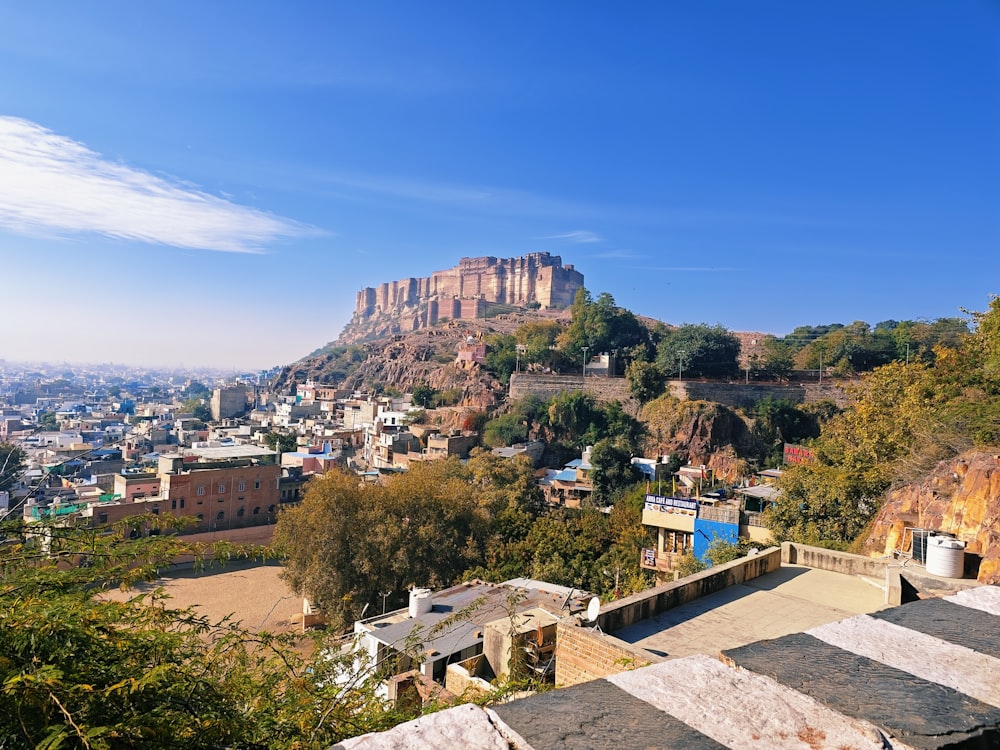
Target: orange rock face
(961,497)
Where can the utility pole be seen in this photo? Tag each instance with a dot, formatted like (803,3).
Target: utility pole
(680,365)
(585,348)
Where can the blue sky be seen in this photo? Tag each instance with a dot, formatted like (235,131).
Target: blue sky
(212,183)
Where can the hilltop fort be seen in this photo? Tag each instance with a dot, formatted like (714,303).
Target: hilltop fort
(475,288)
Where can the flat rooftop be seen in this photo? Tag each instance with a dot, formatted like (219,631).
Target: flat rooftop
(792,599)
(921,676)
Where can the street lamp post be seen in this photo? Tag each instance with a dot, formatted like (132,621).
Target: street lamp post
(384,595)
(585,348)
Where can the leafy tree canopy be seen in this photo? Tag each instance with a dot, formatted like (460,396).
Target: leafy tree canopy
(903,419)
(11,464)
(699,351)
(283,442)
(601,326)
(646,380)
(79,669)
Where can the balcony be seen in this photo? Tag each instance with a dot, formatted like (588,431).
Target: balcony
(662,562)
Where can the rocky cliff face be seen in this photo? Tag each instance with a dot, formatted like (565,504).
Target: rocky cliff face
(961,497)
(423,356)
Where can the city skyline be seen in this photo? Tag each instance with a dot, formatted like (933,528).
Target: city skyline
(212,186)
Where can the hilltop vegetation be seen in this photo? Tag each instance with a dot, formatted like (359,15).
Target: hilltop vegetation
(903,420)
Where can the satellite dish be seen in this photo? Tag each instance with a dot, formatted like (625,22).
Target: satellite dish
(593,609)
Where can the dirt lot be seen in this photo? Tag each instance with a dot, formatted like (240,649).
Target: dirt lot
(250,591)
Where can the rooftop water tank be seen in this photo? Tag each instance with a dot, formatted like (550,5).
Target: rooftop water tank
(420,602)
(945,557)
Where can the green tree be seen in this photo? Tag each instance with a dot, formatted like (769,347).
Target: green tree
(775,360)
(281,441)
(539,337)
(601,326)
(611,459)
(196,389)
(575,416)
(80,669)
(700,351)
(11,464)
(423,395)
(501,355)
(506,429)
(646,380)
(197,408)
(346,542)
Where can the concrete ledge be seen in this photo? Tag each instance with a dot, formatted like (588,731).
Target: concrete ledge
(646,604)
(902,584)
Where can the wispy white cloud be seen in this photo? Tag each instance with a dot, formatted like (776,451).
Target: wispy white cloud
(687,269)
(583,236)
(617,255)
(50,184)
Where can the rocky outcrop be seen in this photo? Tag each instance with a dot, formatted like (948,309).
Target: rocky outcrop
(473,289)
(402,361)
(961,497)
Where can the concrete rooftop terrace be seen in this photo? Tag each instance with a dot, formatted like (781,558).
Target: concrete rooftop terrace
(789,600)
(920,676)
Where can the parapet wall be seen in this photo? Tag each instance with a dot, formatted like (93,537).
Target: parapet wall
(904,579)
(585,653)
(632,609)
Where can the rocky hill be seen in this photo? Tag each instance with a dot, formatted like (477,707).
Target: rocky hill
(961,497)
(427,355)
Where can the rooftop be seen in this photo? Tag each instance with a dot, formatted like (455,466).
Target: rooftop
(791,599)
(920,675)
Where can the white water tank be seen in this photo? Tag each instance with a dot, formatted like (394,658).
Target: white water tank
(420,602)
(945,557)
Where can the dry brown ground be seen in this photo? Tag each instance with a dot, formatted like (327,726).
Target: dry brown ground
(248,591)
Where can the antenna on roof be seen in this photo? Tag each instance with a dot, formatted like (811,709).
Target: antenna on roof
(566,600)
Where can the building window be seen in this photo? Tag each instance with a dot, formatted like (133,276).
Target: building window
(256,511)
(241,487)
(220,515)
(256,484)
(222,487)
(173,505)
(102,517)
(201,516)
(182,502)
(201,489)
(239,513)
(156,511)
(270,509)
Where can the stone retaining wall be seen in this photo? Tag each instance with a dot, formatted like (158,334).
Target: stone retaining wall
(731,394)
